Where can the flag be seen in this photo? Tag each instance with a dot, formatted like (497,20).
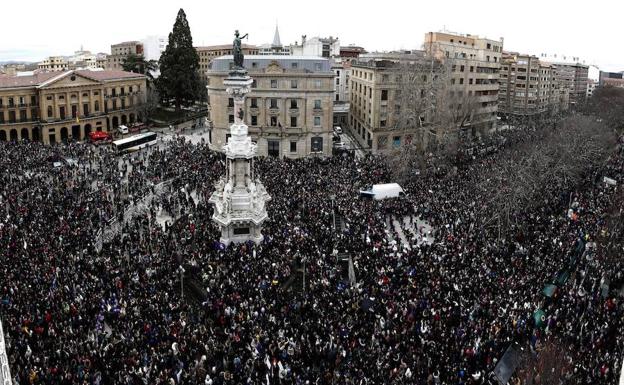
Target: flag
(77,119)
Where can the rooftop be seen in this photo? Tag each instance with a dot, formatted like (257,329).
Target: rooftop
(260,62)
(223,46)
(38,78)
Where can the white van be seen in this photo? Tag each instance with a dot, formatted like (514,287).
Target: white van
(123,129)
(383,191)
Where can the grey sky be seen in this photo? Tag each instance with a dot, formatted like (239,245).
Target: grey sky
(574,28)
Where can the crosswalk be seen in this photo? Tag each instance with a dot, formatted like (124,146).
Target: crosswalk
(411,231)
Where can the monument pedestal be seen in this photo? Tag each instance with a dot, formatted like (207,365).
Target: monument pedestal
(239,199)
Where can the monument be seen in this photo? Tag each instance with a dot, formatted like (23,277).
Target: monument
(239,198)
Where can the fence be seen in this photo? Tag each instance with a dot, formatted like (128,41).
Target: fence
(5,375)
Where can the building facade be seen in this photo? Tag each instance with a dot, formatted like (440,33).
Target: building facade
(289,108)
(475,63)
(374,98)
(274,48)
(529,87)
(54,107)
(54,63)
(611,79)
(154,46)
(317,46)
(207,53)
(119,53)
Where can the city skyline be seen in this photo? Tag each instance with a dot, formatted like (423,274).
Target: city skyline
(570,34)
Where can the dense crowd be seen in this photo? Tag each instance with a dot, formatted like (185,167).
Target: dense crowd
(441,312)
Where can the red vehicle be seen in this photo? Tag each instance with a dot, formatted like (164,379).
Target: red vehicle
(99,137)
(137,127)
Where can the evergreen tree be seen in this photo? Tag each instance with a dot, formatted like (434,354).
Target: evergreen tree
(138,64)
(179,81)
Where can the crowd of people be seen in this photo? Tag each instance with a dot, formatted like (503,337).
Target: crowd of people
(440,312)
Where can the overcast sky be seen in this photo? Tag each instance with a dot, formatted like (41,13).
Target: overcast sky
(32,30)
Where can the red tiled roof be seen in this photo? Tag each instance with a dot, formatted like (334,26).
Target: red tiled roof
(38,78)
(11,81)
(108,75)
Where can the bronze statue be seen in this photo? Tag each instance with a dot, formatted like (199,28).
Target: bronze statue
(238,51)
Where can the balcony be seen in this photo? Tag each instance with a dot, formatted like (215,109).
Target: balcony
(274,110)
(293,111)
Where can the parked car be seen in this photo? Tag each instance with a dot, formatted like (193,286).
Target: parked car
(123,130)
(338,130)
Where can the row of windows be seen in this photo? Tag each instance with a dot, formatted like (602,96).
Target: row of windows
(17,101)
(274,122)
(273,103)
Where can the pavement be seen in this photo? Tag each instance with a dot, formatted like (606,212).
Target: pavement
(352,144)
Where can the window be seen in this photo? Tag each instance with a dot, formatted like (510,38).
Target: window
(85,109)
(396,141)
(273,83)
(317,66)
(461,68)
(337,81)
(384,94)
(293,121)
(230,102)
(273,103)
(273,147)
(293,146)
(11,102)
(317,83)
(316,144)
(461,80)
(273,121)
(96,105)
(50,112)
(293,104)
(254,102)
(317,121)
(294,65)
(469,81)
(254,84)
(471,68)
(62,112)
(381,142)
(23,116)
(293,84)
(382,123)
(317,104)
(33,100)
(231,118)
(254,120)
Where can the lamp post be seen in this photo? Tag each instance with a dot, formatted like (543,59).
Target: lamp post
(332,198)
(181,271)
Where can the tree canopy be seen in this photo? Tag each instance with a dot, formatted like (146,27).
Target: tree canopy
(179,82)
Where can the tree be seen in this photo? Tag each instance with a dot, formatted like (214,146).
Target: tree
(434,113)
(607,103)
(151,103)
(179,82)
(138,64)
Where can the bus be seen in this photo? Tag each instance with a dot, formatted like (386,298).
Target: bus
(135,142)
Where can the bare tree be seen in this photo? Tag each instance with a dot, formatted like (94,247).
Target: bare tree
(430,111)
(150,103)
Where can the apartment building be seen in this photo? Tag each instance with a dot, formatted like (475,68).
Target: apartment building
(317,46)
(207,53)
(574,77)
(54,63)
(529,87)
(54,107)
(120,51)
(289,110)
(376,87)
(475,65)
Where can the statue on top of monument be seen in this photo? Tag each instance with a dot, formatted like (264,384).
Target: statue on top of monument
(238,51)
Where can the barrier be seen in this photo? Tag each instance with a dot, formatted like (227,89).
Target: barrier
(5,374)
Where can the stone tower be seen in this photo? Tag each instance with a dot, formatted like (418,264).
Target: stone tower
(239,199)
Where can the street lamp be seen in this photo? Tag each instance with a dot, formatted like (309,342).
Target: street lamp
(181,271)
(332,198)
